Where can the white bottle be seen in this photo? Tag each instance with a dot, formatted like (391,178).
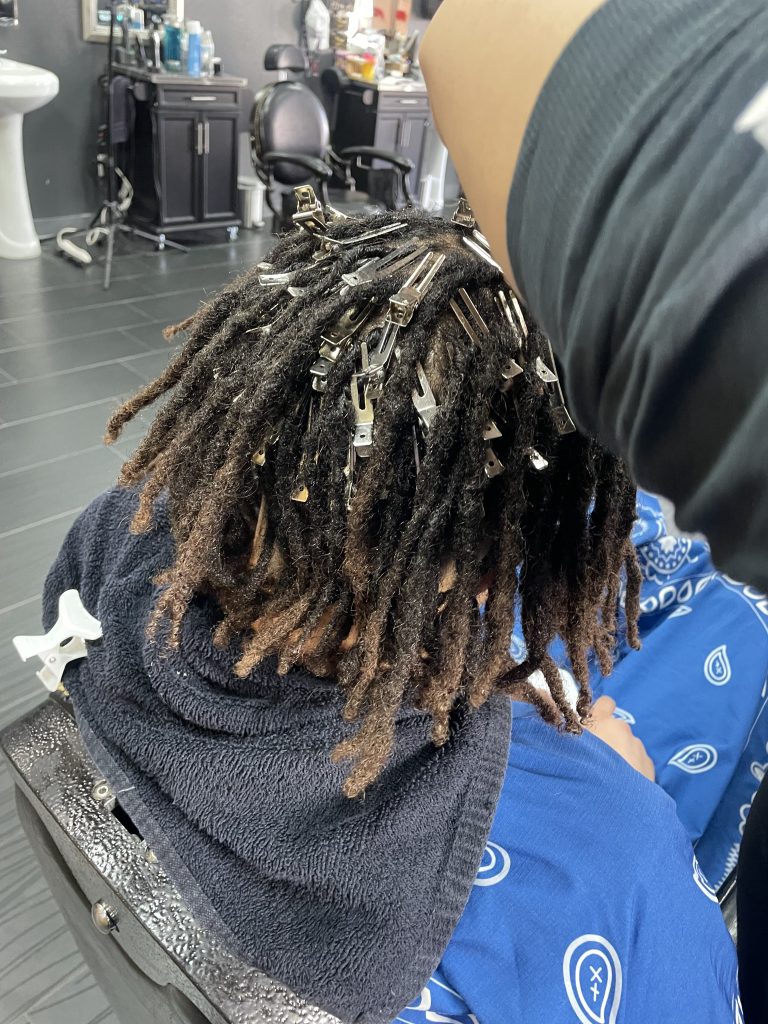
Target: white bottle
(207,53)
(194,32)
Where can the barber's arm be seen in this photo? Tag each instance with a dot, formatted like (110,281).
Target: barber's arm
(485,63)
(616,158)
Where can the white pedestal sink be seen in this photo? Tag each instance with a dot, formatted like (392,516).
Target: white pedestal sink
(23,88)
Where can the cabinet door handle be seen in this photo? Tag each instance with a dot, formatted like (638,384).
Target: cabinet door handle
(202,99)
(207,138)
(199,146)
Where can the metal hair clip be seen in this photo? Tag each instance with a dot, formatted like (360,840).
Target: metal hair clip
(337,338)
(491,431)
(470,318)
(506,311)
(563,422)
(464,216)
(269,280)
(310,215)
(404,304)
(509,372)
(493,466)
(480,251)
(297,293)
(544,373)
(537,459)
(402,308)
(519,315)
(349,474)
(335,216)
(334,244)
(393,262)
(300,493)
(363,439)
(424,399)
(480,238)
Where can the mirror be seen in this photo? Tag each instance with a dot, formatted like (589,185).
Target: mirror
(9,13)
(96,15)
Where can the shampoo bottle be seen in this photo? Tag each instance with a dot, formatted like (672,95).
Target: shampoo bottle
(193,48)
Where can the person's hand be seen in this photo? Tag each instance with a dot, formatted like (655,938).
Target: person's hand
(619,736)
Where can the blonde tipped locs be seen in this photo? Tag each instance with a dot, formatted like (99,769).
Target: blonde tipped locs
(364,455)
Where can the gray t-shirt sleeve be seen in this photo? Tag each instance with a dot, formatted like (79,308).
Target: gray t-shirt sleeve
(638,233)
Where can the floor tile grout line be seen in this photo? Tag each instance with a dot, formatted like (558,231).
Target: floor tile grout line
(149,272)
(26,346)
(121,360)
(40,522)
(126,331)
(8,322)
(33,696)
(54,988)
(50,462)
(20,604)
(135,372)
(60,412)
(116,453)
(80,972)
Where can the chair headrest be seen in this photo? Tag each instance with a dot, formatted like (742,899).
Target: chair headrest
(285,57)
(332,81)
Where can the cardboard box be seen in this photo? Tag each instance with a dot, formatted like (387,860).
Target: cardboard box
(392,16)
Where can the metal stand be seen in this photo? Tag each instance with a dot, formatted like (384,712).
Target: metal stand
(108,215)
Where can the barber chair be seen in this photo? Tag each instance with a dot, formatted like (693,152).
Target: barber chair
(154,962)
(290,144)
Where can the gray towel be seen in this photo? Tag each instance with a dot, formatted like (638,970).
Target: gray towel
(350,903)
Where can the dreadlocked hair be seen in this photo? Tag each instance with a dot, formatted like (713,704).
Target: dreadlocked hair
(399,566)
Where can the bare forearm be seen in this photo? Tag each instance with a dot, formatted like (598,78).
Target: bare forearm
(485,62)
(636,227)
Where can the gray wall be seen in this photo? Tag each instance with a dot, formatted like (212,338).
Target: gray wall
(59,139)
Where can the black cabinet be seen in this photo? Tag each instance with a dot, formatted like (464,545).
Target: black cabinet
(178,158)
(395,120)
(183,156)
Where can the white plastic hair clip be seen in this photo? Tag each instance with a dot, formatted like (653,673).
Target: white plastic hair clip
(64,642)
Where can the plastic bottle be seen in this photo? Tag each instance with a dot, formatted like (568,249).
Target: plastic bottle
(172,49)
(207,53)
(194,32)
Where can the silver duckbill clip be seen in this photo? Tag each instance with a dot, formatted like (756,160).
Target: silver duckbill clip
(336,339)
(402,308)
(310,215)
(464,216)
(363,408)
(424,399)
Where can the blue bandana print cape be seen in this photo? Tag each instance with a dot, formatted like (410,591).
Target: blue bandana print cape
(536,943)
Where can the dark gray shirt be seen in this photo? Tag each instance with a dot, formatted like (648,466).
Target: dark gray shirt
(638,232)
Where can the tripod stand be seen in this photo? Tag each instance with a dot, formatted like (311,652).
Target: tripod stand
(109,216)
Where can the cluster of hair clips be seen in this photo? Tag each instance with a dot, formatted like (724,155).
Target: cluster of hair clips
(375,354)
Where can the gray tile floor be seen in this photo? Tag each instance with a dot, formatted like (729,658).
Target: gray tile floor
(69,352)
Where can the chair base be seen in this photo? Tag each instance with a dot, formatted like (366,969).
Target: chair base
(158,966)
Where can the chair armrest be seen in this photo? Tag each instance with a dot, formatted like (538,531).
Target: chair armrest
(372,153)
(310,163)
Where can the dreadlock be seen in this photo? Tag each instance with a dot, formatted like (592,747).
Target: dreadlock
(362,558)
